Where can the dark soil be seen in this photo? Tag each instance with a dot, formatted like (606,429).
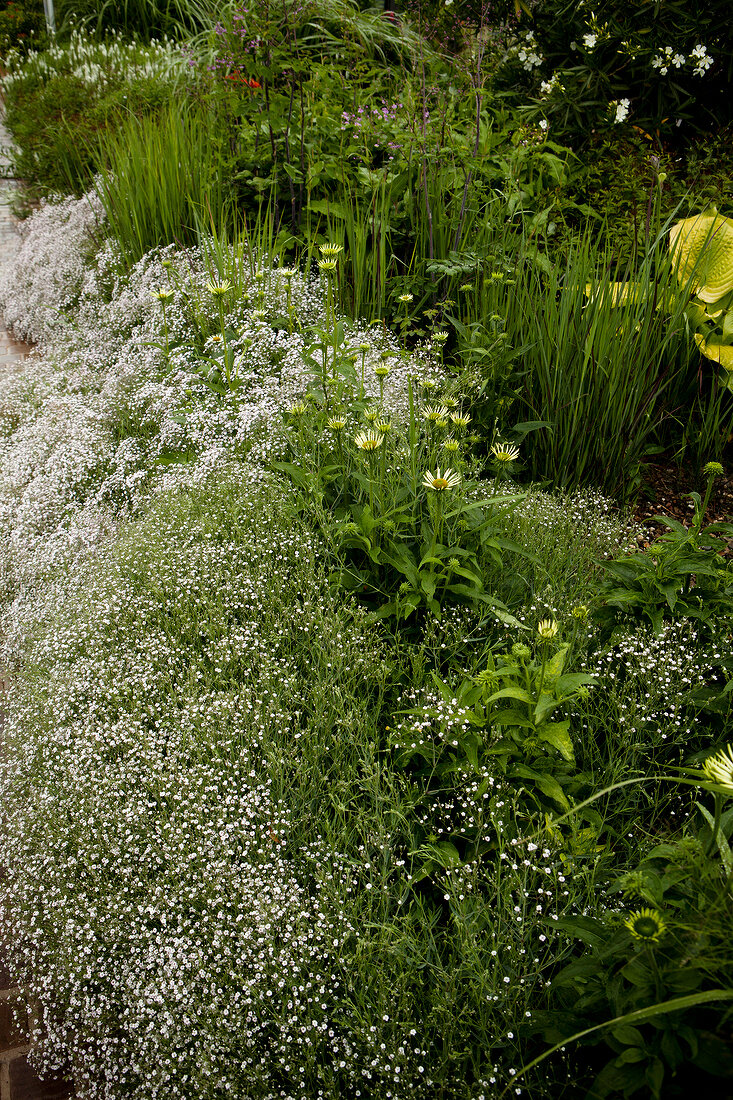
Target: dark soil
(665,492)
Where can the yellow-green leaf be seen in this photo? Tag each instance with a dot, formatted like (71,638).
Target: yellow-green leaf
(718,353)
(703,247)
(613,294)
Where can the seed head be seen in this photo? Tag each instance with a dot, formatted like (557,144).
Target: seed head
(646,925)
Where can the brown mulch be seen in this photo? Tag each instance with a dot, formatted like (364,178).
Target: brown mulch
(665,493)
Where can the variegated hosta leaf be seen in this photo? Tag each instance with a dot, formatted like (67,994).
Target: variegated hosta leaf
(613,294)
(704,249)
(718,353)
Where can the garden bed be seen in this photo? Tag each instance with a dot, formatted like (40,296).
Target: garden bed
(366,738)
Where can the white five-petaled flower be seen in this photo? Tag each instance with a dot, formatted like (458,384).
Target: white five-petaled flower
(702,60)
(439,482)
(620,109)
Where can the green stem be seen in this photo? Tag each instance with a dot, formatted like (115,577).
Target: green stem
(704,507)
(438,520)
(717,811)
(371,482)
(165,331)
(413,436)
(223,328)
(542,670)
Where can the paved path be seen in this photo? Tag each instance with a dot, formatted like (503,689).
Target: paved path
(17,1079)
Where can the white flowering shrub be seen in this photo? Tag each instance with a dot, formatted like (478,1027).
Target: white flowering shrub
(100,419)
(174,934)
(40,288)
(665,68)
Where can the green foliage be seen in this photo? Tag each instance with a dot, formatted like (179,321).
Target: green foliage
(160,179)
(683,574)
(501,721)
(451,216)
(668,956)
(703,250)
(22,26)
(670,62)
(143,19)
(407,539)
(599,370)
(64,105)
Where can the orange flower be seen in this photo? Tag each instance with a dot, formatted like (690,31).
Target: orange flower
(239,78)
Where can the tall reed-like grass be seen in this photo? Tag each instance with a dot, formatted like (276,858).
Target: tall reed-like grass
(144,19)
(605,351)
(162,176)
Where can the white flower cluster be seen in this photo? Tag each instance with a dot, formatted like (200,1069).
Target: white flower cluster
(669,58)
(526,50)
(179,942)
(701,59)
(619,110)
(547,87)
(648,676)
(96,423)
(97,64)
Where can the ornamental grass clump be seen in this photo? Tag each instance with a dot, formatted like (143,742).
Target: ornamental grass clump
(600,370)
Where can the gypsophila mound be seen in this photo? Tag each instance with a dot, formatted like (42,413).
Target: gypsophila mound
(173,931)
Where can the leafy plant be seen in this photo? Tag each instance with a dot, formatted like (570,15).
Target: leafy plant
(654,971)
(703,251)
(501,719)
(160,176)
(600,377)
(682,574)
(658,67)
(408,538)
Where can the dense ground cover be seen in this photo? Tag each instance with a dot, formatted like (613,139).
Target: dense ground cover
(354,748)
